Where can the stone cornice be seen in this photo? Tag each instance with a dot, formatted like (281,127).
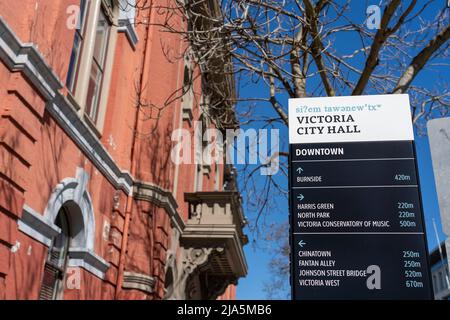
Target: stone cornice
(88,260)
(139,281)
(25,57)
(88,142)
(37,226)
(163,198)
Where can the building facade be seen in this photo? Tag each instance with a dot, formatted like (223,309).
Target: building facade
(439,272)
(91,204)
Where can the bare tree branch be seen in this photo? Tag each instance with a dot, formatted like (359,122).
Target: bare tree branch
(420,60)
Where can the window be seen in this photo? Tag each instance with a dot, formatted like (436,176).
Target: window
(80,34)
(199,153)
(198,178)
(55,267)
(188,85)
(168,283)
(98,66)
(186,79)
(91,60)
(217,177)
(444,279)
(187,89)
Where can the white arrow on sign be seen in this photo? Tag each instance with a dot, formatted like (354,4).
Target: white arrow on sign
(301,243)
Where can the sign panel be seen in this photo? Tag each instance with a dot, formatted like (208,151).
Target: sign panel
(346,119)
(357,228)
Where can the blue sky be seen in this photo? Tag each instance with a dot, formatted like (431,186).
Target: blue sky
(258,256)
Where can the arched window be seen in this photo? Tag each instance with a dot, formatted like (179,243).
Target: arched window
(201,146)
(55,266)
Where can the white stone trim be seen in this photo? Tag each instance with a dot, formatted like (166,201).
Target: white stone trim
(24,57)
(126,21)
(37,226)
(43,229)
(127,26)
(89,143)
(74,189)
(161,197)
(88,260)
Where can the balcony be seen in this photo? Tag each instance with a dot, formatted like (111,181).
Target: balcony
(213,241)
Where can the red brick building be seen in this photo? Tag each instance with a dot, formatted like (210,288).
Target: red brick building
(91,205)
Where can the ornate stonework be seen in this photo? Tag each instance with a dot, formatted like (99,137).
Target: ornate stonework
(196,279)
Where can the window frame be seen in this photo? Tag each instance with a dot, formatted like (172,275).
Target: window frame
(92,110)
(80,33)
(188,95)
(82,83)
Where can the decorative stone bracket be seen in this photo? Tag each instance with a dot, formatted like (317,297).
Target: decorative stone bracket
(210,256)
(194,267)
